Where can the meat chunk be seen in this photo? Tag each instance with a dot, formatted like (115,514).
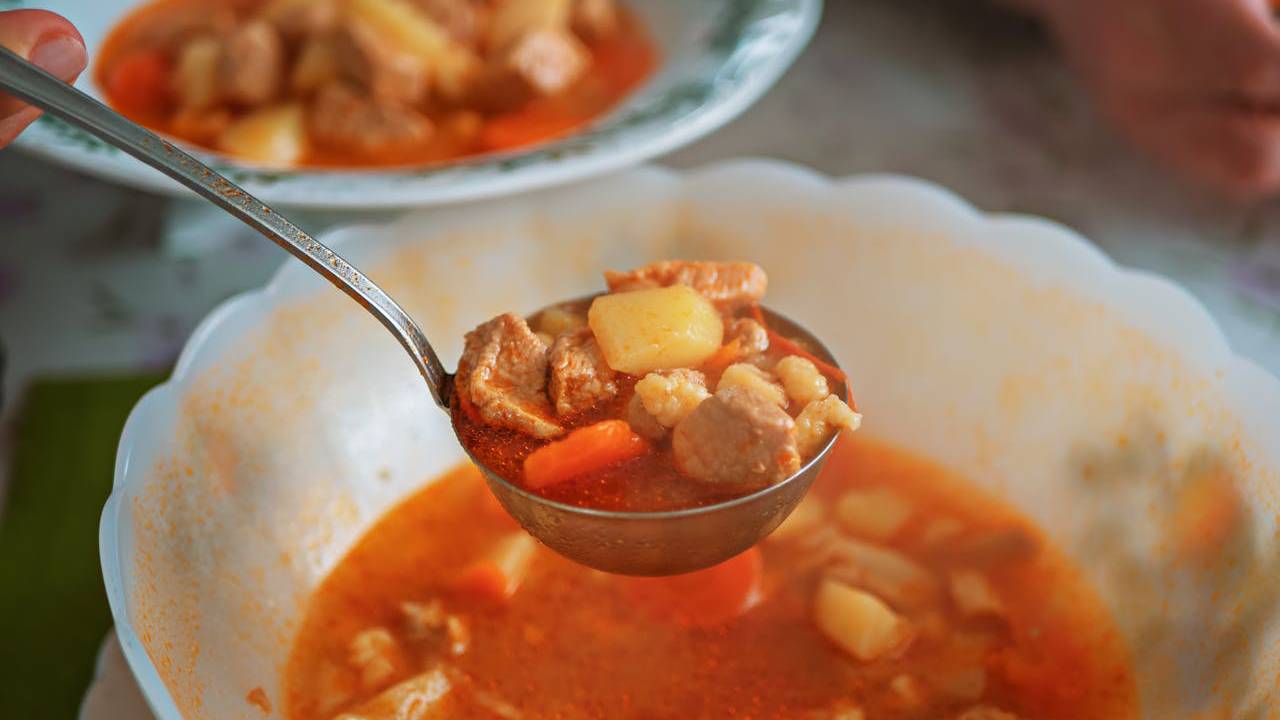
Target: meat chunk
(341,118)
(750,335)
(642,422)
(460,18)
(503,373)
(376,655)
(580,378)
(820,421)
(299,19)
(251,69)
(670,395)
(737,438)
(729,285)
(368,62)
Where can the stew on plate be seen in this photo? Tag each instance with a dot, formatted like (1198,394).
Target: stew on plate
(371,83)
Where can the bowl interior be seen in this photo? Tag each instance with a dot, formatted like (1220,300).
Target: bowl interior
(1003,348)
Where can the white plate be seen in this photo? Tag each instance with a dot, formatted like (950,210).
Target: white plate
(1005,347)
(718,57)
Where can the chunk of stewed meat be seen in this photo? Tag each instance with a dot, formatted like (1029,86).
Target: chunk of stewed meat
(580,377)
(643,422)
(730,285)
(670,395)
(300,19)
(342,118)
(750,335)
(737,438)
(503,373)
(368,62)
(251,69)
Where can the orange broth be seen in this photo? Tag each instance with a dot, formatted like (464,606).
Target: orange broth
(619,64)
(575,643)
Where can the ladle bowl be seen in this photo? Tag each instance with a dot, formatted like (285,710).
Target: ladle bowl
(649,543)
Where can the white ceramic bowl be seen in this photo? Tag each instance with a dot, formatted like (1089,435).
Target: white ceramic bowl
(718,57)
(1005,347)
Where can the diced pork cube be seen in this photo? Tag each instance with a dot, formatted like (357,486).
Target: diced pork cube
(859,622)
(820,421)
(580,377)
(642,422)
(300,19)
(750,335)
(377,67)
(341,118)
(503,373)
(737,438)
(251,69)
(316,65)
(670,395)
(801,378)
(886,572)
(729,285)
(753,379)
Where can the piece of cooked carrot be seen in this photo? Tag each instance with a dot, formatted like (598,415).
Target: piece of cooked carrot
(500,572)
(584,450)
(140,80)
(536,123)
(727,355)
(706,597)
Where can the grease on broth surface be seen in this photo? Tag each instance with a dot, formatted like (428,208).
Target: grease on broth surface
(998,619)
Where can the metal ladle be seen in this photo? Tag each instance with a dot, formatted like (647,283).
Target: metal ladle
(633,543)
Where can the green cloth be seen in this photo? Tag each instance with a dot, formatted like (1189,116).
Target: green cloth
(53,610)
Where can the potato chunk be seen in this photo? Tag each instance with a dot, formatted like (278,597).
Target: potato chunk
(274,136)
(421,697)
(658,329)
(801,378)
(412,31)
(874,514)
(195,78)
(858,622)
(753,379)
(559,319)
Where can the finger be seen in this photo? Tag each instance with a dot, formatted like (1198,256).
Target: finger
(1232,48)
(1236,151)
(50,42)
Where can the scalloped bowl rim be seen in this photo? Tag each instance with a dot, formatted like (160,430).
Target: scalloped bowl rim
(1189,329)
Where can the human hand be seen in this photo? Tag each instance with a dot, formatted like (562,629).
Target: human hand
(50,42)
(1194,82)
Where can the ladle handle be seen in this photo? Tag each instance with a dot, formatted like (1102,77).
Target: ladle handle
(33,85)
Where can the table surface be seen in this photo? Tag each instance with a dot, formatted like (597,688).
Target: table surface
(99,278)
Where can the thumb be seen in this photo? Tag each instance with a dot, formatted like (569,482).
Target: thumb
(51,43)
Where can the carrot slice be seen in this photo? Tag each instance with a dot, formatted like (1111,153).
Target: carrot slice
(706,597)
(500,572)
(534,124)
(140,80)
(727,355)
(582,451)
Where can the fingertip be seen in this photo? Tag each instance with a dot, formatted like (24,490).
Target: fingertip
(61,55)
(13,124)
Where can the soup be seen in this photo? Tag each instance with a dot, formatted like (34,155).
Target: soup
(895,591)
(371,83)
(672,390)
